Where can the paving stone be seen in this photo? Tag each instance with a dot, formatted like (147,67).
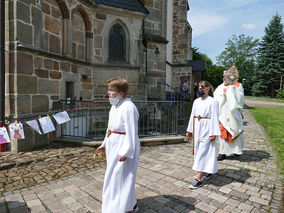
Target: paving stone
(218,197)
(75,206)
(245,207)
(57,207)
(206,207)
(162,199)
(167,210)
(68,200)
(61,179)
(225,190)
(19,209)
(93,206)
(258,200)
(32,203)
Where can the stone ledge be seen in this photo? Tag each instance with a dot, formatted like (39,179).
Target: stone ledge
(149,141)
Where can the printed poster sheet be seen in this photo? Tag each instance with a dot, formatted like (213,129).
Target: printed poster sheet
(46,124)
(61,117)
(34,124)
(4,137)
(16,131)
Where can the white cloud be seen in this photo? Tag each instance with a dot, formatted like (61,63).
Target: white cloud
(203,23)
(249,26)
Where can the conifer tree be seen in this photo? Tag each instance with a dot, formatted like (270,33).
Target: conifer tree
(270,61)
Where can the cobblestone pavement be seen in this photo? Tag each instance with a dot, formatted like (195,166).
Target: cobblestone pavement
(69,180)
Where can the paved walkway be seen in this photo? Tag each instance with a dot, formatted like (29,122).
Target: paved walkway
(253,102)
(69,180)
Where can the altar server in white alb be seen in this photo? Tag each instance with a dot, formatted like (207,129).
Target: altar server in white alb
(203,126)
(122,148)
(230,95)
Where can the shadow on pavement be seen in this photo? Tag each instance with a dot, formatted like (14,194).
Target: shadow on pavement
(166,203)
(250,156)
(227,176)
(14,207)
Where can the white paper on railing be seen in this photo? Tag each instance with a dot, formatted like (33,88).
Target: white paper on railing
(4,137)
(33,124)
(16,131)
(46,124)
(61,117)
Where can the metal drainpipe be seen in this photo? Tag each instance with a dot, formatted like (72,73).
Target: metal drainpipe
(145,45)
(2,67)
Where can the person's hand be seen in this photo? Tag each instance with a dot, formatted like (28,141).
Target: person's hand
(212,138)
(101,148)
(121,158)
(188,134)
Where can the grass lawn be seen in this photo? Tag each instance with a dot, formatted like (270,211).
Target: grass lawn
(272,119)
(266,99)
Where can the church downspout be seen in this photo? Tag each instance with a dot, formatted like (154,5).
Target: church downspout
(2,67)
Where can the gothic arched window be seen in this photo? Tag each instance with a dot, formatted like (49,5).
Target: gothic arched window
(117,43)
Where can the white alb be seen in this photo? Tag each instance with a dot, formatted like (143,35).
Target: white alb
(119,183)
(205,159)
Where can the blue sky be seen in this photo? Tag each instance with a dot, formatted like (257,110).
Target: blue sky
(215,21)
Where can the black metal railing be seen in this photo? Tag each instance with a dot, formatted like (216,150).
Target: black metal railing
(89,119)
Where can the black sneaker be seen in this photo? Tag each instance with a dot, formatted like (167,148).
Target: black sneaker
(221,157)
(135,209)
(196,184)
(207,177)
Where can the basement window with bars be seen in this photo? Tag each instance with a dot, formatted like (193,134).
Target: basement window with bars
(117,43)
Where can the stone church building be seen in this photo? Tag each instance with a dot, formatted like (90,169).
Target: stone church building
(59,49)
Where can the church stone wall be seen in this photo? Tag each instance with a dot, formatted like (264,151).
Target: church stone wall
(51,42)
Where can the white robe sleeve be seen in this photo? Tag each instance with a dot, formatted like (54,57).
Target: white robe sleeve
(220,96)
(190,123)
(108,127)
(104,141)
(214,129)
(235,97)
(130,118)
(240,95)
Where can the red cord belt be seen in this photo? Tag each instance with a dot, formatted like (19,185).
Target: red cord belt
(198,117)
(109,132)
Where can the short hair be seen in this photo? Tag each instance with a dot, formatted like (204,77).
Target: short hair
(206,84)
(118,83)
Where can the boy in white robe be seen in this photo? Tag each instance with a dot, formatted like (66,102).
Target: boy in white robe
(122,148)
(203,126)
(230,96)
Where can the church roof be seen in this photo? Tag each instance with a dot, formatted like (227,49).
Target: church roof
(132,5)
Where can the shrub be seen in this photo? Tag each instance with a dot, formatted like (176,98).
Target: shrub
(280,94)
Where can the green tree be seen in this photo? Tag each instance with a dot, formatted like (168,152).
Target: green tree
(212,73)
(240,50)
(270,61)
